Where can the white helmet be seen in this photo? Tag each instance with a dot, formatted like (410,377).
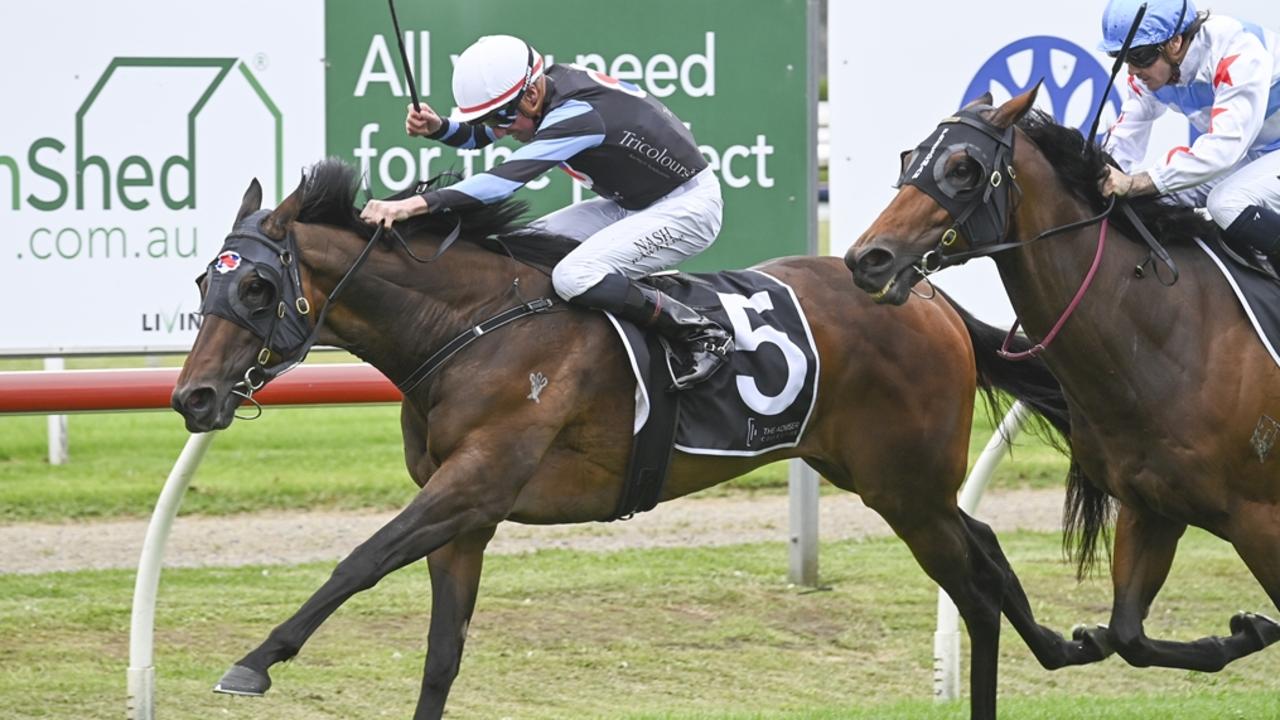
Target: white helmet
(492,74)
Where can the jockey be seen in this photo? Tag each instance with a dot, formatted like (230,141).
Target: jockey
(659,202)
(1224,75)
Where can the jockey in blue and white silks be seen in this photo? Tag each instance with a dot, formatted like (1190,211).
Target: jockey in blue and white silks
(1223,74)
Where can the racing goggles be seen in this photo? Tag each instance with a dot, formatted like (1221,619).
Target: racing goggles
(1143,56)
(506,116)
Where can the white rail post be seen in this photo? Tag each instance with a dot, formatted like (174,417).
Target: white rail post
(946,640)
(142,671)
(802,488)
(57,424)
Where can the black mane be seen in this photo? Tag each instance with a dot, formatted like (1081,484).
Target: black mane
(1080,166)
(329,198)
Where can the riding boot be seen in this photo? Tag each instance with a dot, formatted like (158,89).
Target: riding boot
(1257,230)
(701,344)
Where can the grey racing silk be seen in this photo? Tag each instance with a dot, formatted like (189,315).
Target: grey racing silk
(608,134)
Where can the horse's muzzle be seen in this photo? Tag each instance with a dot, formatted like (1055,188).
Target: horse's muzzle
(203,408)
(879,272)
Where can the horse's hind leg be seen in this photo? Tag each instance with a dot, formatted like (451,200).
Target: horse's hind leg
(1144,549)
(1050,648)
(455,579)
(951,556)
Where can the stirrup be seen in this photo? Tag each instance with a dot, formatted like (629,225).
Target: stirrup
(691,378)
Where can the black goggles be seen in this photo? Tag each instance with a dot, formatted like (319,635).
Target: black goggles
(1143,56)
(506,116)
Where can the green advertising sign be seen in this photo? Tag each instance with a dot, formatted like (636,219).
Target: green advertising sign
(737,73)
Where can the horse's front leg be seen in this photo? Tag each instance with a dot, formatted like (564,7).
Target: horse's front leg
(471,491)
(455,580)
(1050,648)
(1144,548)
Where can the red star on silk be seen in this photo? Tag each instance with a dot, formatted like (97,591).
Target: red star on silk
(1223,73)
(1213,114)
(1181,148)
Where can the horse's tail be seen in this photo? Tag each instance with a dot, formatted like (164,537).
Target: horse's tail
(1087,512)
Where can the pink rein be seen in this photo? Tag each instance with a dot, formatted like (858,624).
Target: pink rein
(1075,302)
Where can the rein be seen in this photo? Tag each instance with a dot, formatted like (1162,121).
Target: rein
(1062,319)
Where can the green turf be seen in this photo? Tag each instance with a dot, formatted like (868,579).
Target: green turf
(697,633)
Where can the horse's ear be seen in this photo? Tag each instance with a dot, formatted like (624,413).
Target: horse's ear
(251,202)
(983,100)
(1012,111)
(276,225)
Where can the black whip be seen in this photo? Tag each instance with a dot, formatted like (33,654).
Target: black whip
(408,71)
(1115,70)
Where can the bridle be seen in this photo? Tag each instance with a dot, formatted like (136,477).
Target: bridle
(285,328)
(982,212)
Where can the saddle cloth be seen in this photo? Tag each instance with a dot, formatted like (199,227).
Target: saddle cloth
(763,398)
(1259,295)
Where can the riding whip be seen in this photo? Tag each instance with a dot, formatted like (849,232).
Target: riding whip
(1115,68)
(413,87)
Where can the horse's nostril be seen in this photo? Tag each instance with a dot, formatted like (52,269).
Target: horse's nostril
(874,260)
(199,400)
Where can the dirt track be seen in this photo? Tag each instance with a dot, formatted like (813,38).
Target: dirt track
(294,537)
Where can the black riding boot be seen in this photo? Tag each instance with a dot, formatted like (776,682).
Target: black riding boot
(1257,229)
(702,342)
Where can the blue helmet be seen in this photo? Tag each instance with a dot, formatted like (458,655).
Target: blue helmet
(1163,20)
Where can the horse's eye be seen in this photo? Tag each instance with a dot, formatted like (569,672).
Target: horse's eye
(257,292)
(964,171)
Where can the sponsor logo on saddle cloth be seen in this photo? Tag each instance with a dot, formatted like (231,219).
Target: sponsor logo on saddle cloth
(763,398)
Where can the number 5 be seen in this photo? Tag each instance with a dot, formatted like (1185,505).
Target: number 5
(749,338)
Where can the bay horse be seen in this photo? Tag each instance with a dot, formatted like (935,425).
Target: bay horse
(1165,381)
(891,421)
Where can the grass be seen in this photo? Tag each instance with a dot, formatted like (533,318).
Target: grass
(291,458)
(678,634)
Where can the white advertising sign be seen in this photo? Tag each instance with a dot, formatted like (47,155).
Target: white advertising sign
(130,134)
(895,69)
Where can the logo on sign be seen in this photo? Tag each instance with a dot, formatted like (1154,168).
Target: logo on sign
(1072,79)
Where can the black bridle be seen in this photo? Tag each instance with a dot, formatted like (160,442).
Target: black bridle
(284,327)
(981,210)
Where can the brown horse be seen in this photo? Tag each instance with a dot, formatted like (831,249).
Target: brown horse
(1165,381)
(891,422)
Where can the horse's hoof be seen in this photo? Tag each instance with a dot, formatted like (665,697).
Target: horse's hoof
(1096,639)
(1261,628)
(240,680)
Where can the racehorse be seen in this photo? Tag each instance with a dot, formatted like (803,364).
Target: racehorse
(891,422)
(1166,384)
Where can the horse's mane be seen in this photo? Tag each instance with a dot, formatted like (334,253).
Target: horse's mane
(329,198)
(1079,165)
